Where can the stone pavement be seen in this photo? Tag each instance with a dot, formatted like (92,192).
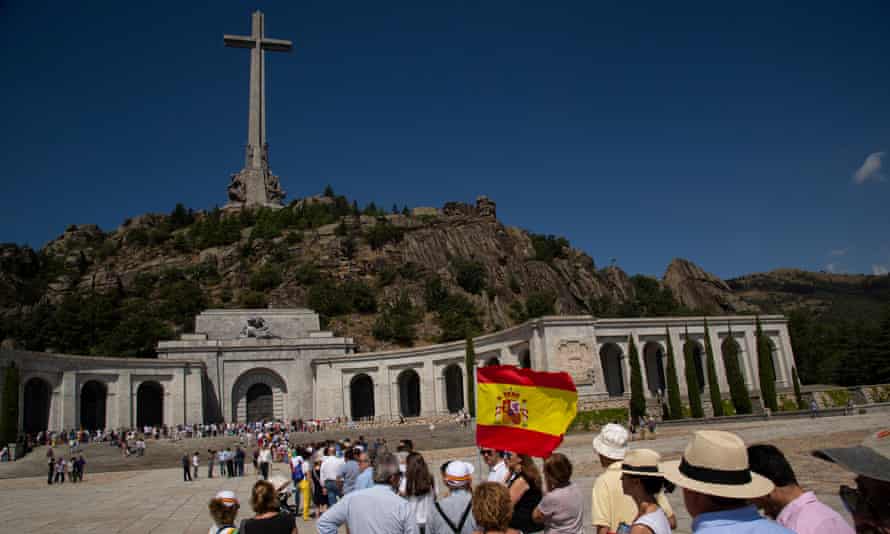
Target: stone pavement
(159,501)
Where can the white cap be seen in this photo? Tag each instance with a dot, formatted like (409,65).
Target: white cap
(458,473)
(611,442)
(227,497)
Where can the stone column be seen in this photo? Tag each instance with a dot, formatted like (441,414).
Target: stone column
(679,360)
(70,401)
(441,391)
(642,362)
(427,389)
(126,400)
(536,348)
(717,347)
(787,356)
(752,381)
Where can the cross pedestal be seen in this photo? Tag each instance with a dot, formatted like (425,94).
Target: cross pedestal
(255,185)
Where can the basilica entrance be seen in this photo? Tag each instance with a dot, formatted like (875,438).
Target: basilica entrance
(259,403)
(409,393)
(361,393)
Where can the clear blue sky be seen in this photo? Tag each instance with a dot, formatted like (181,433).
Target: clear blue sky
(728,134)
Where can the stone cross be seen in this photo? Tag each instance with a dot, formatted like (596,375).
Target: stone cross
(256,184)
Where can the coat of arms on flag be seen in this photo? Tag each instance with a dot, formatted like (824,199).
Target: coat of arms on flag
(522,410)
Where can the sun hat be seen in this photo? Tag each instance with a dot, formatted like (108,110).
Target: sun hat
(458,473)
(227,497)
(611,442)
(642,462)
(871,459)
(716,463)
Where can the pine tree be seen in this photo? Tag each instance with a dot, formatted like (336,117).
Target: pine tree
(470,364)
(692,385)
(9,416)
(713,381)
(675,406)
(801,405)
(737,389)
(765,369)
(637,400)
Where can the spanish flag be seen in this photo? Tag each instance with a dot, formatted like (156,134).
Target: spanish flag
(523,411)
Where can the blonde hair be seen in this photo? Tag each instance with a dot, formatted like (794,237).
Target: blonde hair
(492,508)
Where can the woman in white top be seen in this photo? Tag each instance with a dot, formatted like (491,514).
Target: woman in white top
(419,489)
(641,479)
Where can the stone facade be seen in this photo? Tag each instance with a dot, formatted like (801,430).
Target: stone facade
(244,364)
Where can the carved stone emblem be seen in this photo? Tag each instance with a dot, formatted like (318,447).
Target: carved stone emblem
(256,327)
(575,357)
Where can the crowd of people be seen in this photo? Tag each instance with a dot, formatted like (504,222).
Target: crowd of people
(727,488)
(60,469)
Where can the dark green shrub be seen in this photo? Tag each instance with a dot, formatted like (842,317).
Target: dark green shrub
(457,318)
(382,233)
(268,277)
(469,274)
(397,322)
(637,398)
(252,299)
(548,247)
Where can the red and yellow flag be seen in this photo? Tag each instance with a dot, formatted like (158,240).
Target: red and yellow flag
(523,411)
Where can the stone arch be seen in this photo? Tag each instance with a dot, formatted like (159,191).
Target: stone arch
(361,397)
(36,399)
(454,388)
(93,405)
(149,404)
(698,359)
(494,360)
(274,392)
(613,375)
(409,393)
(260,403)
(653,356)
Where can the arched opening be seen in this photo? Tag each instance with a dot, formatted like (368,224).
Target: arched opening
(149,404)
(259,403)
(525,360)
(454,388)
(653,355)
(492,361)
(93,397)
(35,416)
(613,376)
(409,393)
(361,397)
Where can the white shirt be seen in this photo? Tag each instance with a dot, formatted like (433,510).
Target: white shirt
(498,473)
(656,520)
(265,456)
(330,465)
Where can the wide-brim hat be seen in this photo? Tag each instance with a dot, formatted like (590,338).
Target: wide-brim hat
(227,497)
(871,459)
(716,463)
(642,463)
(611,442)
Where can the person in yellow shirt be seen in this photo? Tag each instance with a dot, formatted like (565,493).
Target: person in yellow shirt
(610,506)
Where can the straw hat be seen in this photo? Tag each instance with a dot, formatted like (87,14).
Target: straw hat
(716,463)
(611,442)
(642,462)
(227,498)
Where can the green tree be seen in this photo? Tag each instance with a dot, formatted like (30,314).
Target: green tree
(692,386)
(737,389)
(675,406)
(397,322)
(637,400)
(470,275)
(801,405)
(713,381)
(457,318)
(9,417)
(765,369)
(268,277)
(328,191)
(470,365)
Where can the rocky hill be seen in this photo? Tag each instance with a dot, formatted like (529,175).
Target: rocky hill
(386,278)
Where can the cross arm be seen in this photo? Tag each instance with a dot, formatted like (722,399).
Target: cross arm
(277,45)
(239,41)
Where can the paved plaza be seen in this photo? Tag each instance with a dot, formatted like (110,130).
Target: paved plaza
(157,500)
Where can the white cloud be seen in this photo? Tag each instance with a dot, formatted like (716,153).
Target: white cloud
(880,270)
(870,169)
(838,252)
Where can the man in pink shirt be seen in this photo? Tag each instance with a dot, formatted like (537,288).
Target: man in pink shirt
(788,503)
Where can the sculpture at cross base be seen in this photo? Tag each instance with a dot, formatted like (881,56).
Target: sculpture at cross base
(255,184)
